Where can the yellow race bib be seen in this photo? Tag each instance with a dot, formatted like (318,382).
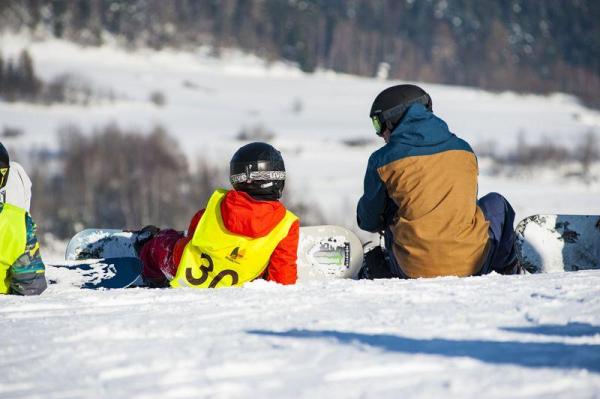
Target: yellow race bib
(215,257)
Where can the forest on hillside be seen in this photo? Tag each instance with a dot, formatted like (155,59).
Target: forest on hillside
(526,46)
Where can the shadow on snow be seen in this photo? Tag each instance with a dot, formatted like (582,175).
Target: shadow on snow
(526,354)
(567,330)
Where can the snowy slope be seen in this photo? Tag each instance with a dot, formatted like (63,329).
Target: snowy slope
(483,337)
(214,98)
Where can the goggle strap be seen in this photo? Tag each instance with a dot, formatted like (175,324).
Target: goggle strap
(386,115)
(256,176)
(400,109)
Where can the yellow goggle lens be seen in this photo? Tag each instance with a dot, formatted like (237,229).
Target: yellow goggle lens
(3,175)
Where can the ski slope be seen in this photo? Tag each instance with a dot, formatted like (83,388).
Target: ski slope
(535,336)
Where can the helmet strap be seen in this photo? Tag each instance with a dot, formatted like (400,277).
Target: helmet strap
(401,109)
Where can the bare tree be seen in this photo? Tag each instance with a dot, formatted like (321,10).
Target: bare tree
(588,151)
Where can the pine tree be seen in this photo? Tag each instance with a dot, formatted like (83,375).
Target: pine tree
(29,84)
(10,80)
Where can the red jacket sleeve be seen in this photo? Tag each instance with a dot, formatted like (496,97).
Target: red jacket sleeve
(282,266)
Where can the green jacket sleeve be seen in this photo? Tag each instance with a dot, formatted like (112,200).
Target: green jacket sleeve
(28,272)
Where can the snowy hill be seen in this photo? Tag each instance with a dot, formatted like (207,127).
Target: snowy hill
(212,98)
(482,337)
(209,100)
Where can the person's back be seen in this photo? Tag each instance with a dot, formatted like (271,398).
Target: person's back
(234,241)
(421,189)
(241,235)
(431,176)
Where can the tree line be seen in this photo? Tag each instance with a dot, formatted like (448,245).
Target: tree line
(18,79)
(19,82)
(117,178)
(124,178)
(540,46)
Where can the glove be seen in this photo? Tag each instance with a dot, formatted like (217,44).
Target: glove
(144,235)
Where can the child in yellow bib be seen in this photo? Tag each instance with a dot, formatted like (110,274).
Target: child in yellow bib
(21,269)
(243,234)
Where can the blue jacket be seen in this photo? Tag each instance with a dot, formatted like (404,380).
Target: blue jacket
(422,185)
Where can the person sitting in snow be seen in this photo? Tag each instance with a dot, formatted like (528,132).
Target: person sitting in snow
(420,189)
(22,271)
(242,234)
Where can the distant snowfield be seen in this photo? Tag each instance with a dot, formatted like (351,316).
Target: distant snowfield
(210,98)
(208,101)
(483,337)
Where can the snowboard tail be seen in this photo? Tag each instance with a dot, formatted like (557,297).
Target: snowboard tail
(328,252)
(101,243)
(110,273)
(556,243)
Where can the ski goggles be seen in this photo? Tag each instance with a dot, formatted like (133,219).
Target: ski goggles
(376,124)
(258,175)
(3,176)
(379,118)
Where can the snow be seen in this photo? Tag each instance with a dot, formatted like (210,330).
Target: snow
(534,336)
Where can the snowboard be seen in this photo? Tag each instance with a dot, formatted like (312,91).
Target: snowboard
(106,273)
(324,252)
(557,243)
(328,252)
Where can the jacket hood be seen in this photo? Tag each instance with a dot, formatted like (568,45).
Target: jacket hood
(421,128)
(246,216)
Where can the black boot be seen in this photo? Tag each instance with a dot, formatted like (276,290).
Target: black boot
(375,265)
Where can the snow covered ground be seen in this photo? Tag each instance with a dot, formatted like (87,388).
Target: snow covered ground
(532,336)
(482,337)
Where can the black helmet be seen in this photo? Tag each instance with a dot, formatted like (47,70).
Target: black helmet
(4,165)
(258,169)
(391,104)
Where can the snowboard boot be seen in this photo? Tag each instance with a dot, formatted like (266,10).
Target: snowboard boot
(512,267)
(375,265)
(155,282)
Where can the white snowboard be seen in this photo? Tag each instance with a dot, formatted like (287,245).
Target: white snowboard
(324,252)
(557,243)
